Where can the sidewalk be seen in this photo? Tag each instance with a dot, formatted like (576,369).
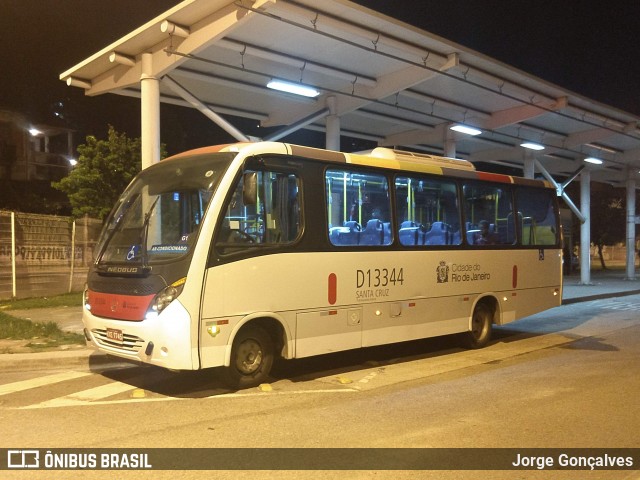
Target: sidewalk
(607,284)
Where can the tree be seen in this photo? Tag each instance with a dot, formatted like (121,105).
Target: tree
(104,169)
(608,217)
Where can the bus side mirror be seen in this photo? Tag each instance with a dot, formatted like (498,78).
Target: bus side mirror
(250,188)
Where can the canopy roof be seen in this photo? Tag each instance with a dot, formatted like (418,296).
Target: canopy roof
(388,82)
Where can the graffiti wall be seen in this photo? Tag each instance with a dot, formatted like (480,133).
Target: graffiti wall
(44,255)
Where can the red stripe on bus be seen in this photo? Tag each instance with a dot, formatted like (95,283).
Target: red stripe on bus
(514,278)
(333,288)
(495,177)
(121,307)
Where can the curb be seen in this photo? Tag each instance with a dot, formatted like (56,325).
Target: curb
(84,357)
(599,296)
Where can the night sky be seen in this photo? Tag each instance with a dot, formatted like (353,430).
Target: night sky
(587,47)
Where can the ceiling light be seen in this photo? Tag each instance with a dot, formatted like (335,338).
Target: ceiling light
(595,161)
(295,88)
(34,132)
(532,146)
(459,127)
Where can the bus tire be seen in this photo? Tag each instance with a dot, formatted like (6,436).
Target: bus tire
(252,355)
(481,325)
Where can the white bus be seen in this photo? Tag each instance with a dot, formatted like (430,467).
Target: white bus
(235,254)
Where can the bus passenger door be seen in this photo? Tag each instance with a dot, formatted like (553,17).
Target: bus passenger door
(328,331)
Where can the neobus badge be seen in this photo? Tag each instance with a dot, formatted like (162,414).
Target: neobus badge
(123,269)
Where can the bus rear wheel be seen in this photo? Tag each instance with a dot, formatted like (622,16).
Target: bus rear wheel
(252,355)
(481,323)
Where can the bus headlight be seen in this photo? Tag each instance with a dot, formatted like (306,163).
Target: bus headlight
(165,297)
(85,298)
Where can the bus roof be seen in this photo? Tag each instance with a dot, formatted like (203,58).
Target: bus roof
(378,157)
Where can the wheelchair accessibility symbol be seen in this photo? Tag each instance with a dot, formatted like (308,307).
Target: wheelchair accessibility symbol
(133,253)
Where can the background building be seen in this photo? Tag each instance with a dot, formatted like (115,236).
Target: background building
(33,152)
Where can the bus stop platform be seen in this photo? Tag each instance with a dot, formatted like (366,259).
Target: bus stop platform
(603,284)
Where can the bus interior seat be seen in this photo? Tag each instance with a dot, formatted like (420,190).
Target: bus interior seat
(387,233)
(348,234)
(373,233)
(408,233)
(508,229)
(472,235)
(439,234)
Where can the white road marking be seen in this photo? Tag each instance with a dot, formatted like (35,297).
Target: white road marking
(40,382)
(90,397)
(87,396)
(619,305)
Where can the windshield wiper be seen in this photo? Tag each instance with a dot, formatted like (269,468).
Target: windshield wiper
(145,234)
(112,233)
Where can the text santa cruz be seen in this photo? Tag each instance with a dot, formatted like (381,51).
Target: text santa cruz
(375,283)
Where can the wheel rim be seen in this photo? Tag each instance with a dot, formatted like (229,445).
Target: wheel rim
(249,357)
(479,325)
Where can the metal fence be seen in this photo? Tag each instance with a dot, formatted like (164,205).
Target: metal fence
(42,255)
(610,253)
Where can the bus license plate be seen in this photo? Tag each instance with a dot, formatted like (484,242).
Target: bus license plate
(113,334)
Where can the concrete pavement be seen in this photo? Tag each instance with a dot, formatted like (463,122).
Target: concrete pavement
(607,284)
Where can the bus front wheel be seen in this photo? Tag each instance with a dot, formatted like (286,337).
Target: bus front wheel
(481,323)
(252,356)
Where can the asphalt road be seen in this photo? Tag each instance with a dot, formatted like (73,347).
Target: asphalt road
(566,378)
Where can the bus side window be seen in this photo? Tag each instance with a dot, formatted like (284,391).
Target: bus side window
(427,211)
(270,215)
(358,208)
(489,215)
(537,216)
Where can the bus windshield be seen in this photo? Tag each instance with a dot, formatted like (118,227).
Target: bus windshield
(158,216)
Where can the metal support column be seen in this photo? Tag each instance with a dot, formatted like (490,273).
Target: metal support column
(150,113)
(332,141)
(585,228)
(631,227)
(560,189)
(205,110)
(294,127)
(529,165)
(449,144)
